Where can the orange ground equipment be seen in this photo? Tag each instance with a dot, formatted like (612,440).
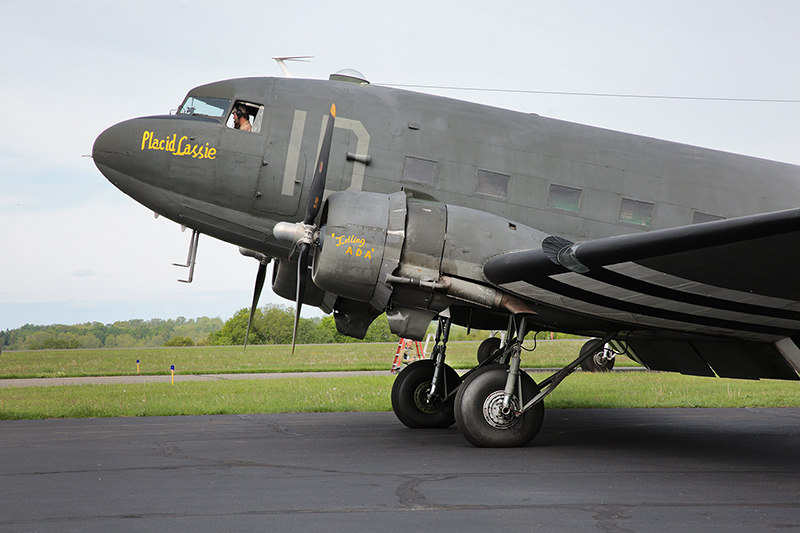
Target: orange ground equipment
(405,354)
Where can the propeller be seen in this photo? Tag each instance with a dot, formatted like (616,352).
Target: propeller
(261,275)
(302,233)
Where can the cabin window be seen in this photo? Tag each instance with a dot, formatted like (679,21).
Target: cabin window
(419,170)
(565,198)
(246,116)
(492,184)
(700,217)
(636,212)
(201,105)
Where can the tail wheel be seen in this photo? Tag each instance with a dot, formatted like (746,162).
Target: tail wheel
(410,396)
(481,417)
(601,361)
(487,348)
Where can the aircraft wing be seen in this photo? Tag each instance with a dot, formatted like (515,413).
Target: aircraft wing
(720,297)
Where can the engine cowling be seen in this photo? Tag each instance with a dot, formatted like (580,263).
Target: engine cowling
(412,258)
(353,241)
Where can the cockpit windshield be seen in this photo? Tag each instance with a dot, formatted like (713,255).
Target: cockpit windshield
(203,105)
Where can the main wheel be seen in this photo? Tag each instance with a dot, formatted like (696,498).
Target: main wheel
(480,415)
(487,348)
(601,361)
(410,396)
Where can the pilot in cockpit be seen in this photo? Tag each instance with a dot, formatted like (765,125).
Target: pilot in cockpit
(241,118)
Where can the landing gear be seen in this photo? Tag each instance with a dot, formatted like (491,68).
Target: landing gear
(423,394)
(499,405)
(601,361)
(486,419)
(410,400)
(490,405)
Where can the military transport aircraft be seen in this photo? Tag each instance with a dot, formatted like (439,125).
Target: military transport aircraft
(377,200)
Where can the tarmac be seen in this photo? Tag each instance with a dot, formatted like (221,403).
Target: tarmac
(609,470)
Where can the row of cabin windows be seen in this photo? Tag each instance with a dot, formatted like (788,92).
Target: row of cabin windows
(493,184)
(423,171)
(631,211)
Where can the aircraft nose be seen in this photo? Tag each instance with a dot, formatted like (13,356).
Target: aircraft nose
(111,153)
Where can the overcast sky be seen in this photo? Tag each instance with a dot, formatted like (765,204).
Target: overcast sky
(74,249)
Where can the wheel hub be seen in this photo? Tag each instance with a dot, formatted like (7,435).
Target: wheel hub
(602,357)
(497,416)
(421,399)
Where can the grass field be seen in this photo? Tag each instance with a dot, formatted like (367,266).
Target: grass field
(313,394)
(371,393)
(233,359)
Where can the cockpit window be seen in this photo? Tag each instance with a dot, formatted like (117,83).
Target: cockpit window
(202,105)
(246,116)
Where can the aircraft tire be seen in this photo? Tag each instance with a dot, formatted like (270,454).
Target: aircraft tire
(477,410)
(409,391)
(487,348)
(598,362)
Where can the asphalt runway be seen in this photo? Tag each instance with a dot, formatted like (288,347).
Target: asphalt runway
(646,470)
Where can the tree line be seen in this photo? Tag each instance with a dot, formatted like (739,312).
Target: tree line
(272,324)
(123,334)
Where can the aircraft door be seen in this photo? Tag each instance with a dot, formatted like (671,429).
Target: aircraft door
(280,183)
(241,161)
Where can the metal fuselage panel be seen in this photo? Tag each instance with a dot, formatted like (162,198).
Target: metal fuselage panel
(463,139)
(253,180)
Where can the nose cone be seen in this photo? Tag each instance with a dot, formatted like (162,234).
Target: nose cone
(111,153)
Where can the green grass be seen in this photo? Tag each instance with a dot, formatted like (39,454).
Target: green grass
(233,359)
(371,393)
(656,389)
(362,393)
(314,394)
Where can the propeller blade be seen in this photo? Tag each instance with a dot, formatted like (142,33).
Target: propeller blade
(302,273)
(320,173)
(260,277)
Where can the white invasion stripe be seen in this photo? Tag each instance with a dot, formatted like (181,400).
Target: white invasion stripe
(661,279)
(293,154)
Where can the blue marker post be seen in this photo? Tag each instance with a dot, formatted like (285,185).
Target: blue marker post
(172,368)
(137,366)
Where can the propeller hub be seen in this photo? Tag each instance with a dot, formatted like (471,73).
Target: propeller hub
(295,232)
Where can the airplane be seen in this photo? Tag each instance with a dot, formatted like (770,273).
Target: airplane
(375,200)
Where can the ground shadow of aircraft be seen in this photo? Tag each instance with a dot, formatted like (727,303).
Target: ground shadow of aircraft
(376,200)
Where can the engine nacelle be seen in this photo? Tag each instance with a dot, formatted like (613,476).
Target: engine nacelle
(412,258)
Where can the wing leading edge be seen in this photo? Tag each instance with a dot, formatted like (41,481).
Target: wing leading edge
(718,298)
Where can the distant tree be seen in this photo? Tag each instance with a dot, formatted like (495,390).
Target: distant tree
(276,324)
(233,331)
(179,341)
(57,344)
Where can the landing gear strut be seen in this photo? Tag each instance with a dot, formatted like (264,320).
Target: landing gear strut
(499,405)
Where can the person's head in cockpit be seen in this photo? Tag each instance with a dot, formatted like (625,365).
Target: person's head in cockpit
(241,118)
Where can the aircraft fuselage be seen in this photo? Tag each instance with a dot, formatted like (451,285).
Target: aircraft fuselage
(565,179)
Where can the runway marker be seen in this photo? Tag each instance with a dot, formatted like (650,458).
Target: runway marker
(172,368)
